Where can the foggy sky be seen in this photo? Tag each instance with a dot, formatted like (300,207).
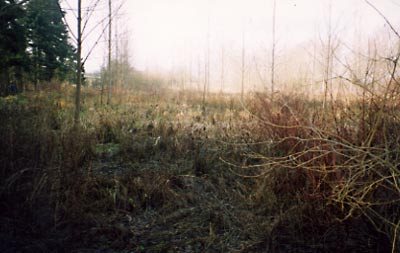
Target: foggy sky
(169,34)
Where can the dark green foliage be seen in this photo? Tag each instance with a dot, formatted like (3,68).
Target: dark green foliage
(12,43)
(33,44)
(51,54)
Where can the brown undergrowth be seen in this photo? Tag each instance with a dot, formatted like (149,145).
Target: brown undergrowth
(331,167)
(166,173)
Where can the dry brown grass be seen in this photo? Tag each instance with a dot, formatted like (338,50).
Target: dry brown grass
(161,173)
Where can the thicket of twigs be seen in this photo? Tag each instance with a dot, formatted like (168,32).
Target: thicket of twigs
(343,158)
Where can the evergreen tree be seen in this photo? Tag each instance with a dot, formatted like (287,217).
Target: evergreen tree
(52,56)
(12,44)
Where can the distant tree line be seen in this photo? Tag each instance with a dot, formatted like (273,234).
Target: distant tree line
(34,46)
(126,77)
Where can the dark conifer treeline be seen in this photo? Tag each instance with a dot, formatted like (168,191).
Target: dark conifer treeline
(34,44)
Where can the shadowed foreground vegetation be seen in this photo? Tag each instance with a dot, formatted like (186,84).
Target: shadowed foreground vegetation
(162,173)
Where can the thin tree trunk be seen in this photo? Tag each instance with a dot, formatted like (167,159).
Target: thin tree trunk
(190,72)
(205,83)
(207,66)
(102,93)
(312,86)
(222,68)
(79,65)
(109,53)
(328,58)
(117,65)
(243,64)
(273,51)
(198,83)
(36,74)
(208,57)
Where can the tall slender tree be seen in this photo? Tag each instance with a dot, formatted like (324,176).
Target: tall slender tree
(273,50)
(328,57)
(78,65)
(222,74)
(243,70)
(109,51)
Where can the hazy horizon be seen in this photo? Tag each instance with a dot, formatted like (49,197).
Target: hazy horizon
(176,36)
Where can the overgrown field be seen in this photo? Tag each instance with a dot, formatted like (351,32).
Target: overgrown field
(166,173)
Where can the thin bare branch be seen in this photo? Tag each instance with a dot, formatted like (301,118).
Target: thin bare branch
(384,17)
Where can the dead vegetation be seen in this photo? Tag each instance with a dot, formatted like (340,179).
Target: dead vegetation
(158,173)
